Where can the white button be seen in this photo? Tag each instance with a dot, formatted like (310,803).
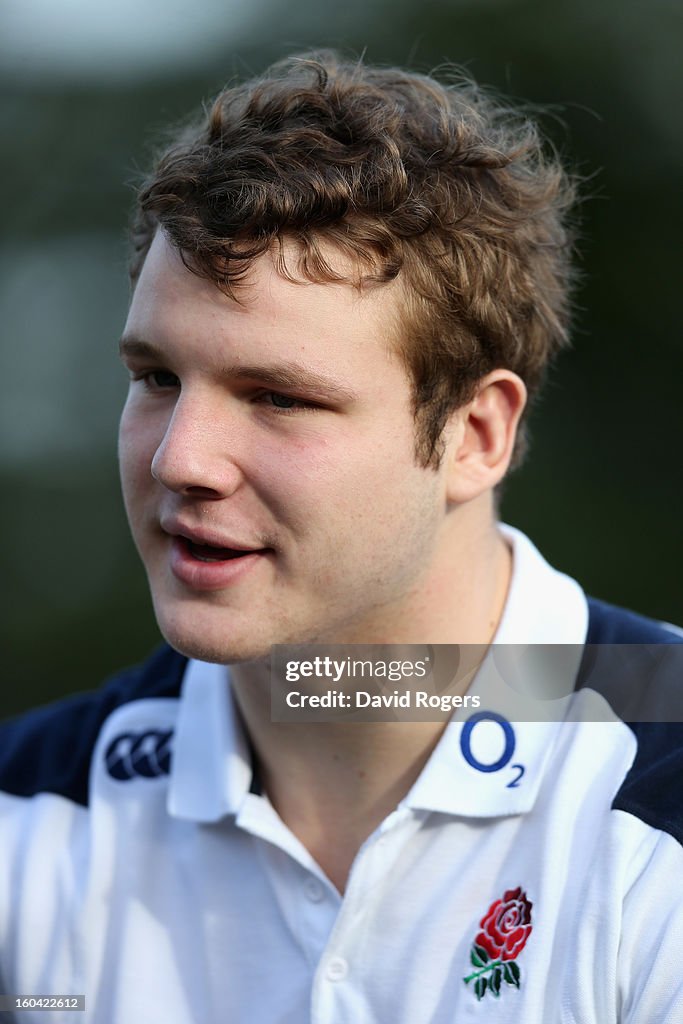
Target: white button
(337,969)
(313,890)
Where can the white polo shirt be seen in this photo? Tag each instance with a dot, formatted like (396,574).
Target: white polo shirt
(168,891)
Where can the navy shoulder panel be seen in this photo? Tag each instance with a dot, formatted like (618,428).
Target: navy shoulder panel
(652,789)
(649,679)
(608,624)
(49,750)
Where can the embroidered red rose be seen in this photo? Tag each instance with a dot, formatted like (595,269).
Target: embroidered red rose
(505,928)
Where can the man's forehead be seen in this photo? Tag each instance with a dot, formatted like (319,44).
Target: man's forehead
(287,259)
(272,287)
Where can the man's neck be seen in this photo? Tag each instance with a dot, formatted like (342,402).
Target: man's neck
(333,783)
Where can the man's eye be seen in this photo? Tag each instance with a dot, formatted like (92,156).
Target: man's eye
(285,403)
(158,380)
(282,401)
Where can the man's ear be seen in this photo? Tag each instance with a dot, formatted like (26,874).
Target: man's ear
(481,436)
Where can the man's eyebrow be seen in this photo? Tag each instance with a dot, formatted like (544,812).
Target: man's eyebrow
(290,375)
(130,346)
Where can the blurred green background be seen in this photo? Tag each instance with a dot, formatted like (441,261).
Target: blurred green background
(85,90)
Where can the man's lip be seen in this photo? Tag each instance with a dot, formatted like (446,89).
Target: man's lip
(203,535)
(213,574)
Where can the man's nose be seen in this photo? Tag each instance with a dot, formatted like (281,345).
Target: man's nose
(197,452)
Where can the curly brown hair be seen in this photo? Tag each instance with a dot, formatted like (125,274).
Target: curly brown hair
(440,185)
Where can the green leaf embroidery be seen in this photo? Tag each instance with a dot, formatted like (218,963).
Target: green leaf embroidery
(511,973)
(480,987)
(495,980)
(478,956)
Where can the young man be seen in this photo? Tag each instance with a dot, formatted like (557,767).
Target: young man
(346,283)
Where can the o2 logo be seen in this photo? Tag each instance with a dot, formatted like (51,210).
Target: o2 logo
(508,749)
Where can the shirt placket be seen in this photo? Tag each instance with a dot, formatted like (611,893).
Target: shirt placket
(342,990)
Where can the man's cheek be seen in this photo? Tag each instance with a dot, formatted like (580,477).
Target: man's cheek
(137,446)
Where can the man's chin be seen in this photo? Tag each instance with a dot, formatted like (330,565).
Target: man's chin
(219,654)
(203,645)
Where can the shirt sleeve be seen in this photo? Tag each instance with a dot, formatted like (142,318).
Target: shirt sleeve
(649,972)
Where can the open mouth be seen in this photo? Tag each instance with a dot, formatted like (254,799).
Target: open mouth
(208,553)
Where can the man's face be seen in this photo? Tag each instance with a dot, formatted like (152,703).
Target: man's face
(267,452)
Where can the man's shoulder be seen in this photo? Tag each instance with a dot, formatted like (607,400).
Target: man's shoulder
(609,624)
(637,664)
(49,749)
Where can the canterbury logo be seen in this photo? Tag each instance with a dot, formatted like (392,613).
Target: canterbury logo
(144,755)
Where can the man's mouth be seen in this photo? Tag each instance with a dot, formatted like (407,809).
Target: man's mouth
(205,566)
(209,553)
